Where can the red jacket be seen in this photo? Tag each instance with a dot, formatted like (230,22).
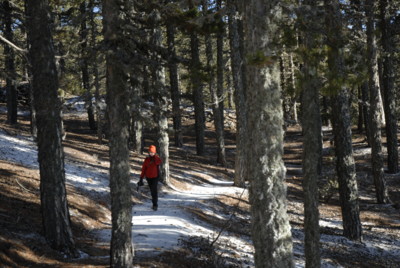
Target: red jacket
(150,167)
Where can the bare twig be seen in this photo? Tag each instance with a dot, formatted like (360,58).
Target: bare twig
(228,221)
(23,187)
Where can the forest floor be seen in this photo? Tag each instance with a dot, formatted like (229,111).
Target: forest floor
(203,221)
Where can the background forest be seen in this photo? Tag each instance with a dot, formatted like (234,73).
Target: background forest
(250,73)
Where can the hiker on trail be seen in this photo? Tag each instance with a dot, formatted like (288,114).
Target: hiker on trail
(151,171)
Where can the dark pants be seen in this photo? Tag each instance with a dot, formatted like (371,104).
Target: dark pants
(153,189)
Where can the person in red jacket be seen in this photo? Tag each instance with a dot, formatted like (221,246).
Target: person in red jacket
(151,171)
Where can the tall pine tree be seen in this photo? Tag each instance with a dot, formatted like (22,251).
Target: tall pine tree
(53,196)
(118,120)
(271,233)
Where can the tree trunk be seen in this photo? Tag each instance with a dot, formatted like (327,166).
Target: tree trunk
(53,196)
(95,70)
(360,122)
(284,86)
(118,118)
(11,89)
(218,118)
(198,98)
(33,120)
(229,86)
(161,100)
(345,167)
(270,224)
(174,83)
(136,126)
(85,65)
(326,111)
(220,67)
(389,93)
(312,156)
(239,92)
(375,122)
(363,88)
(366,111)
(293,88)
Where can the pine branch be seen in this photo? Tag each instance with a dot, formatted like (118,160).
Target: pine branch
(12,45)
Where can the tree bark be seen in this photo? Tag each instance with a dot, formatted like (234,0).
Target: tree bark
(198,98)
(218,118)
(234,18)
(136,126)
(375,122)
(270,224)
(53,196)
(11,89)
(161,100)
(284,86)
(345,166)
(118,118)
(389,92)
(312,156)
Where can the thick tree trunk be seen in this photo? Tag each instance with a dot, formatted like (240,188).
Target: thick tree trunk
(118,118)
(312,157)
(389,92)
(375,122)
(174,83)
(11,89)
(218,118)
(270,224)
(239,92)
(53,196)
(342,126)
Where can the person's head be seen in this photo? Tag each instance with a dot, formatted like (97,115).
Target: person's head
(152,150)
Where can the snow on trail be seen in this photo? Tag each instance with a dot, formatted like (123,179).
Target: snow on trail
(153,231)
(158,231)
(162,229)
